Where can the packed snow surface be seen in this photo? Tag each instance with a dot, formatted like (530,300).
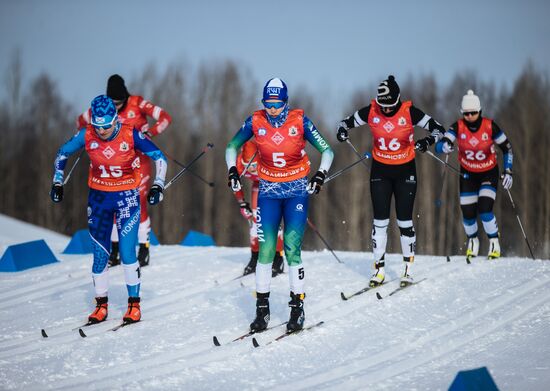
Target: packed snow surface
(492,314)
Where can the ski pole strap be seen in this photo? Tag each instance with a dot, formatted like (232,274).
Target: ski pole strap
(340,172)
(249,163)
(73,167)
(453,168)
(356,152)
(183,170)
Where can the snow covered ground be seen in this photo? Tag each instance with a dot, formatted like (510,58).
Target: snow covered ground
(489,313)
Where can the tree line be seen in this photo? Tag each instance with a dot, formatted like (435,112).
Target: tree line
(209,104)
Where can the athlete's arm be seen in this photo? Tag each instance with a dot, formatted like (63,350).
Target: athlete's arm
(359,118)
(312,135)
(504,144)
(145,145)
(83,119)
(450,135)
(160,115)
(419,118)
(233,147)
(74,144)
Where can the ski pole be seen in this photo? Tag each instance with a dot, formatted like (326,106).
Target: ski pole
(356,152)
(73,167)
(249,163)
(183,170)
(519,222)
(340,172)
(211,184)
(463,175)
(314,228)
(443,177)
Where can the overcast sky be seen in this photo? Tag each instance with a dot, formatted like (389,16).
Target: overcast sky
(331,47)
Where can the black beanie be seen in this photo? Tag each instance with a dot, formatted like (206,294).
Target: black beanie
(116,90)
(388,92)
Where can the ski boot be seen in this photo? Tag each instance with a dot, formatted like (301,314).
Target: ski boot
(133,314)
(251,267)
(100,313)
(473,248)
(494,248)
(407,279)
(278,265)
(380,275)
(297,315)
(143,254)
(114,258)
(262,313)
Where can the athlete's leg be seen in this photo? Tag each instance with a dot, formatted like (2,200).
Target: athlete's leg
(487,196)
(469,196)
(404,189)
(254,246)
(268,218)
(100,222)
(381,193)
(127,216)
(295,220)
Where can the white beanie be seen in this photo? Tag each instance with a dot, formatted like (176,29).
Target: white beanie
(470,102)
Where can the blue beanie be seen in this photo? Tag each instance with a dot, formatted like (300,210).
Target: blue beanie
(103,111)
(275,89)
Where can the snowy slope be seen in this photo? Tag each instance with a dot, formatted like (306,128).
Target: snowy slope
(490,313)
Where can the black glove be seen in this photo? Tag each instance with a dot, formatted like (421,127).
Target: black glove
(234,179)
(155,195)
(56,193)
(342,134)
(246,211)
(316,182)
(424,143)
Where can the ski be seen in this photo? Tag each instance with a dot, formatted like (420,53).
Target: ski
(286,334)
(365,289)
(117,327)
(87,324)
(239,338)
(379,296)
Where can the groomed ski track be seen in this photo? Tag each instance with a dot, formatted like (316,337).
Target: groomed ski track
(489,313)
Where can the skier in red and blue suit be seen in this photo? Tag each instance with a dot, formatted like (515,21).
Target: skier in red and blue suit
(134,110)
(281,134)
(114,179)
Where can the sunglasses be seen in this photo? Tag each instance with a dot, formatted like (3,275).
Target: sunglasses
(470,113)
(103,127)
(271,105)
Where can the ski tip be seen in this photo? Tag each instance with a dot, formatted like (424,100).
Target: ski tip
(82,333)
(468,260)
(44,334)
(255,343)
(215,340)
(343,296)
(378,296)
(448,258)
